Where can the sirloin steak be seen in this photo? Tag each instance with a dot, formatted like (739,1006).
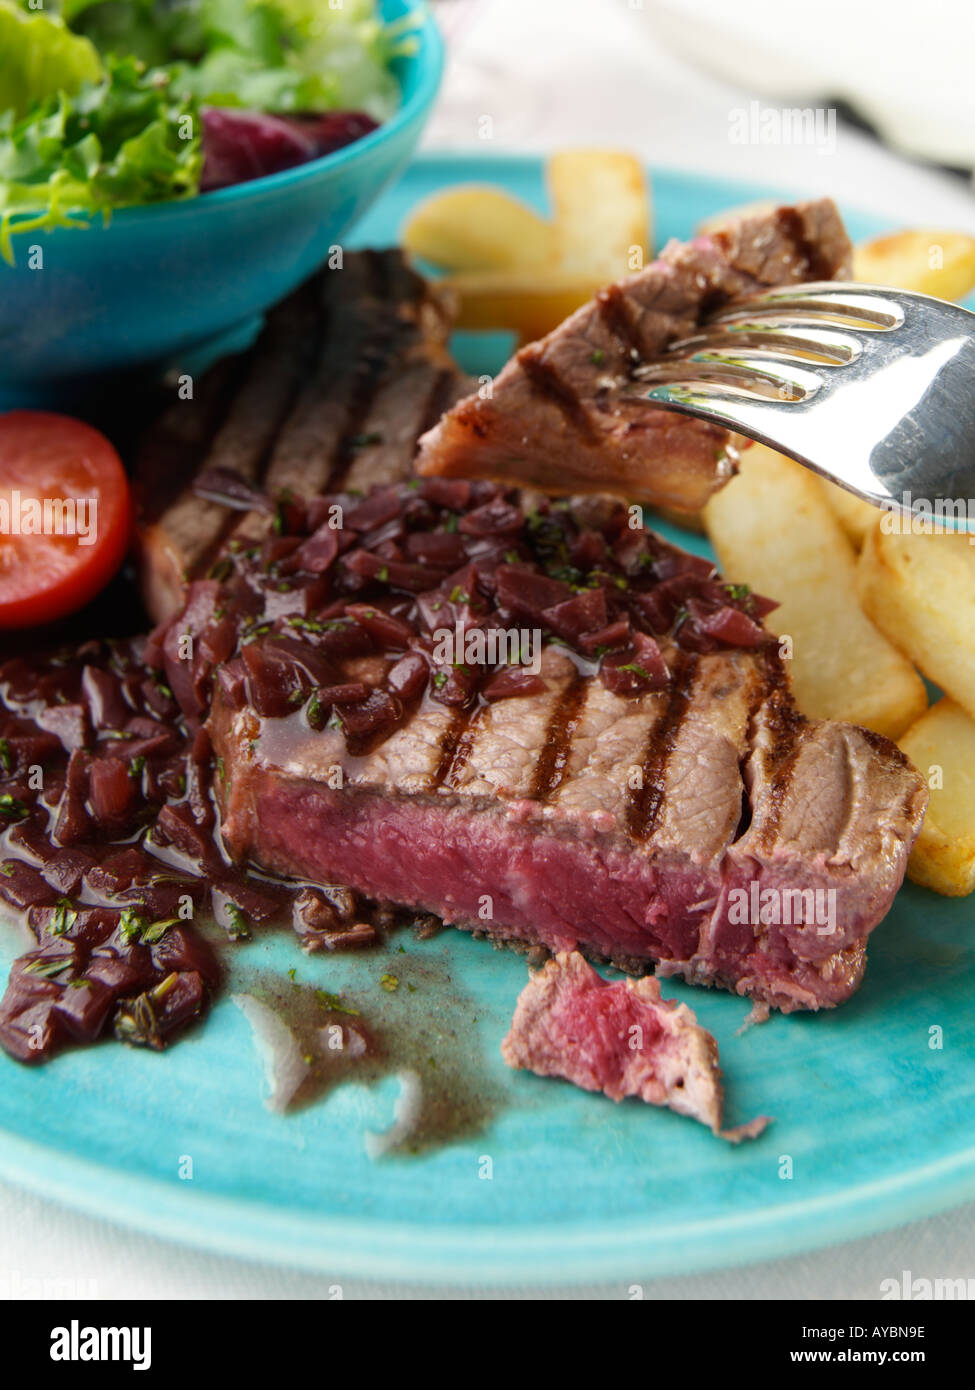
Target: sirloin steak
(348,372)
(562,415)
(650,795)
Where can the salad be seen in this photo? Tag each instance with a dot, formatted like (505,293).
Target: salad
(114,103)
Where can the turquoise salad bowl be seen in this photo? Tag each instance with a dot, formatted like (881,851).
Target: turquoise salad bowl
(157,284)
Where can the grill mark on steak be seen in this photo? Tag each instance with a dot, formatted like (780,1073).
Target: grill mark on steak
(785,725)
(447,390)
(309,452)
(557,748)
(615,314)
(402,402)
(372,332)
(182,540)
(762,691)
(545,381)
(645,802)
(777,795)
(375,360)
(461,744)
(455,732)
(287,373)
(818,264)
(183,436)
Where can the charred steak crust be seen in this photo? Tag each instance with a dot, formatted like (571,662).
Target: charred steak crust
(558,417)
(650,795)
(347,373)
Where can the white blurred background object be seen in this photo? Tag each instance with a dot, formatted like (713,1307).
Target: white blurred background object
(905,67)
(667,79)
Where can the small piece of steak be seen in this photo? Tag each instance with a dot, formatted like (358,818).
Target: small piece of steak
(619,1038)
(558,417)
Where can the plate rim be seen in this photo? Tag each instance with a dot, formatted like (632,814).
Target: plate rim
(472,1255)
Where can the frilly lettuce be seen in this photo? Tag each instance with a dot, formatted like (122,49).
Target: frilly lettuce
(39,57)
(99,103)
(120,141)
(266,55)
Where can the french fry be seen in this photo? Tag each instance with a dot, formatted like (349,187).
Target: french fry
(920,591)
(512,269)
(476,228)
(530,304)
(942,746)
(854,515)
(931,262)
(772,529)
(601,209)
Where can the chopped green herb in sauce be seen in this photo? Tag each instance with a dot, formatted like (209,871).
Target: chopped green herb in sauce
(63,918)
(335,1003)
(237,928)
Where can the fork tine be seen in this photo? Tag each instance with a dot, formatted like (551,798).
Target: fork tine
(738,409)
(750,369)
(826,346)
(802,319)
(895,428)
(735,406)
(865,305)
(680,389)
(719,383)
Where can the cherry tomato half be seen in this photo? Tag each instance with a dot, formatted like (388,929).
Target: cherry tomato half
(65,516)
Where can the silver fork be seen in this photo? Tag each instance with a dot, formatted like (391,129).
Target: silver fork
(873,388)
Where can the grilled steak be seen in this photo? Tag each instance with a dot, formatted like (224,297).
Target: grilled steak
(621,1039)
(347,373)
(558,417)
(650,794)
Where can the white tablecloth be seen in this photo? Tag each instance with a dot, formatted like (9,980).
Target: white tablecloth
(47,1251)
(553,73)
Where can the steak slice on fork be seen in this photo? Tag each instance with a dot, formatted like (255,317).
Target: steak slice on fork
(559,418)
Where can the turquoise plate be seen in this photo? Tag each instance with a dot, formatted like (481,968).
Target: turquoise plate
(874,1104)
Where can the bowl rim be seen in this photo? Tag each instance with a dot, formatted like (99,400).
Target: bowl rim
(429,56)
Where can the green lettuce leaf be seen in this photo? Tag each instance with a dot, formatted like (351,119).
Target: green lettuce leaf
(345,53)
(40,57)
(123,141)
(265,55)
